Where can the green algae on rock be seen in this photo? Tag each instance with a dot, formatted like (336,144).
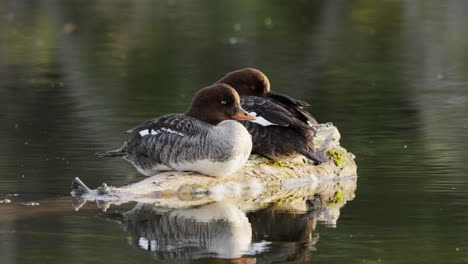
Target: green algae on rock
(337,157)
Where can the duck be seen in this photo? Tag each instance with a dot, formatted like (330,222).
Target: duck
(282,129)
(206,138)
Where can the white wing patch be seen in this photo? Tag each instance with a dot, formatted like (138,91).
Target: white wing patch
(260,120)
(158,131)
(144,132)
(168,130)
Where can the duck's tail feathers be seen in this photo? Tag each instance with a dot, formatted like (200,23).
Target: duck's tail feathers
(113,153)
(317,157)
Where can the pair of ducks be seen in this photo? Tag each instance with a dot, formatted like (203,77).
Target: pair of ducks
(208,140)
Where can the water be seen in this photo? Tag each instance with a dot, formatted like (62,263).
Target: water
(392,75)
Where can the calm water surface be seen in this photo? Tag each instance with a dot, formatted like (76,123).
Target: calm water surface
(392,75)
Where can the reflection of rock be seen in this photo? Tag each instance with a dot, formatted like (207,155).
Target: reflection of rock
(218,229)
(277,231)
(330,214)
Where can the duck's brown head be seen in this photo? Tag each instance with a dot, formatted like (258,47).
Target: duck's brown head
(247,82)
(217,103)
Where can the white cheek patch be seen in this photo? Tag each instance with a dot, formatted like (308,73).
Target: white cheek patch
(260,120)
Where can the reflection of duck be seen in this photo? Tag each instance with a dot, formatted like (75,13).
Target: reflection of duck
(221,230)
(290,234)
(281,229)
(218,229)
(280,225)
(289,230)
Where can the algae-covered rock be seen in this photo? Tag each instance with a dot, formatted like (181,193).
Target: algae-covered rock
(337,157)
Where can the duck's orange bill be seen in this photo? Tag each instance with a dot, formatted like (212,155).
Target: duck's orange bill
(242,115)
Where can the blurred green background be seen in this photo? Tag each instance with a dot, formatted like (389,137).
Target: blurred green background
(391,75)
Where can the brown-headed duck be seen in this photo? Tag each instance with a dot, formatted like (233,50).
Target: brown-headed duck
(282,128)
(205,139)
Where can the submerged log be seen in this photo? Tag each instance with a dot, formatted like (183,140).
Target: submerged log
(260,180)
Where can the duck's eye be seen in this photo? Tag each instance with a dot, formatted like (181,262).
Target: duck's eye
(252,87)
(223,102)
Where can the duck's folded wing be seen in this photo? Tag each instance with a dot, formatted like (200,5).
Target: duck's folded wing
(295,107)
(287,100)
(306,116)
(174,123)
(141,126)
(169,140)
(269,113)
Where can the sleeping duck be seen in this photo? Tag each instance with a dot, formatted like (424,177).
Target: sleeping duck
(281,129)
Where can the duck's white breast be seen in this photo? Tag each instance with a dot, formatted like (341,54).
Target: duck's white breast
(234,139)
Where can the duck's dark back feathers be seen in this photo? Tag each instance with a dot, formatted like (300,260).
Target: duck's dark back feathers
(294,106)
(279,143)
(273,112)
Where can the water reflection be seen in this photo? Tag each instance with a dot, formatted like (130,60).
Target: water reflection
(246,232)
(235,232)
(392,75)
(220,229)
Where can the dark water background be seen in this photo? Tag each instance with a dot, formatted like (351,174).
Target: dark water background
(392,75)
